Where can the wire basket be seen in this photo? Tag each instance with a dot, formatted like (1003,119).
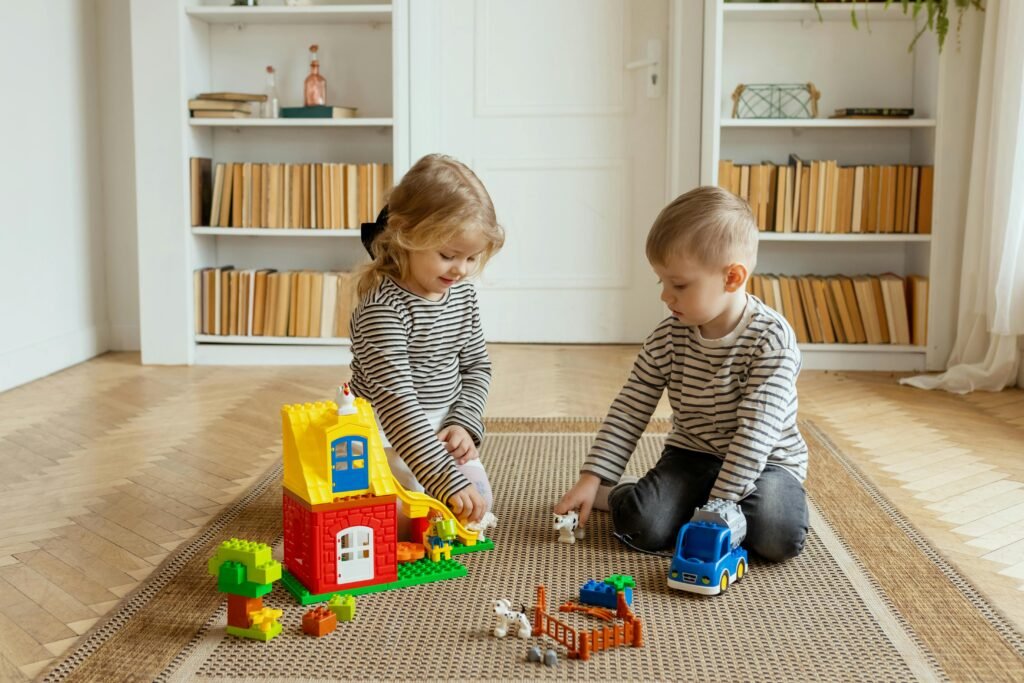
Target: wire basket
(775,101)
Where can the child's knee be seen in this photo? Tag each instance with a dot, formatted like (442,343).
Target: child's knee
(779,543)
(641,524)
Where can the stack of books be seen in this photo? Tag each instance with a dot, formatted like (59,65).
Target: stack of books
(823,197)
(867,309)
(226,105)
(329,196)
(268,303)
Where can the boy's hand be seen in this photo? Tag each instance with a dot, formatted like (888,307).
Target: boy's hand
(467,505)
(459,443)
(580,497)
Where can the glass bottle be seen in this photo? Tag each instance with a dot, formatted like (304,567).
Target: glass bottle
(316,86)
(270,109)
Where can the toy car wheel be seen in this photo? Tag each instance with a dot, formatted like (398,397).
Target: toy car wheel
(741,569)
(723,583)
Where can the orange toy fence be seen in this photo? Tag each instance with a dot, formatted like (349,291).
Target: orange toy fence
(581,643)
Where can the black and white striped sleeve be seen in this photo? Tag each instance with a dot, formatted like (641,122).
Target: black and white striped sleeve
(380,340)
(631,410)
(768,403)
(475,370)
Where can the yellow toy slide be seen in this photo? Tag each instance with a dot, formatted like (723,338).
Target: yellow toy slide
(420,505)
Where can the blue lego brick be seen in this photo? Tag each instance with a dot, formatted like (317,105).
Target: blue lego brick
(602,594)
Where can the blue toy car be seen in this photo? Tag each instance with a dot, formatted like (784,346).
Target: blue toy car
(708,557)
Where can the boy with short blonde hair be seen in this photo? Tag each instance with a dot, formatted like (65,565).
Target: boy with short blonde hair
(730,365)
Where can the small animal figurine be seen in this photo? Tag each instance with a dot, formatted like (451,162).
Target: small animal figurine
(567,526)
(507,618)
(488,522)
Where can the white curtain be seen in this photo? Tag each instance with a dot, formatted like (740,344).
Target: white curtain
(986,354)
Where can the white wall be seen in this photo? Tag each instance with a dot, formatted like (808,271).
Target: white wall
(61,101)
(117,164)
(53,308)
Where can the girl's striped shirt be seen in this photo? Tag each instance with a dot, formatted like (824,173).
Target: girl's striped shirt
(411,354)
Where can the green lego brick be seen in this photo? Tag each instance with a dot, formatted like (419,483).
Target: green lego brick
(620,581)
(343,606)
(253,633)
(409,574)
(260,567)
(459,548)
(231,579)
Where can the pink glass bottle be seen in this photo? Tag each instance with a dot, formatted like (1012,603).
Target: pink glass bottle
(316,86)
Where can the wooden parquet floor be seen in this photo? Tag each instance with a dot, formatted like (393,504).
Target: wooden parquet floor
(108,466)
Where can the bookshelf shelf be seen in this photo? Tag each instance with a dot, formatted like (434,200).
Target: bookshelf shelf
(324,14)
(275,232)
(283,341)
(828,123)
(880,238)
(864,348)
(293,123)
(796,11)
(233,353)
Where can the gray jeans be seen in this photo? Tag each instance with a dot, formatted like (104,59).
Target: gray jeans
(649,513)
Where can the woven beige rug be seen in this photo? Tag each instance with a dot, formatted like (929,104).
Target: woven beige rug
(868,600)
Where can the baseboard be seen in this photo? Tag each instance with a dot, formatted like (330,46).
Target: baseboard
(124,337)
(28,363)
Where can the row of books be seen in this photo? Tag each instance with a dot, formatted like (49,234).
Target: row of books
(823,197)
(269,303)
(883,309)
(328,196)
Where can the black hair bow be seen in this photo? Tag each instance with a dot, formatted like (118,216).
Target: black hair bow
(368,231)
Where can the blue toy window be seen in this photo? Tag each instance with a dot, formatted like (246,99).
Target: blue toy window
(349,470)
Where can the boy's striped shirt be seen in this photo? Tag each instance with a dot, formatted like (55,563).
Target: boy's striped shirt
(409,355)
(734,397)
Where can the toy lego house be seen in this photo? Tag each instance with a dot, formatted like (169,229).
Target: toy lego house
(341,506)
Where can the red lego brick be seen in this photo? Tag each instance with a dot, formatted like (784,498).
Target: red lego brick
(239,607)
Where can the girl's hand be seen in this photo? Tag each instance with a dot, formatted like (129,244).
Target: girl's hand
(467,505)
(580,497)
(459,443)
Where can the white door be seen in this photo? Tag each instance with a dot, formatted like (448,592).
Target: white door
(535,96)
(355,554)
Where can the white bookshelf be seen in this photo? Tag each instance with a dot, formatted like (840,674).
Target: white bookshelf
(870,67)
(305,15)
(184,47)
(828,123)
(274,232)
(293,123)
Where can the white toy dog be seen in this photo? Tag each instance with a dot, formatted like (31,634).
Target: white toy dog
(488,522)
(567,526)
(508,619)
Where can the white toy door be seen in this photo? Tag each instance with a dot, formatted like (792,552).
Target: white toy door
(355,554)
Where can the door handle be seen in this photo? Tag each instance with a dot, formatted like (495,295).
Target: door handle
(652,62)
